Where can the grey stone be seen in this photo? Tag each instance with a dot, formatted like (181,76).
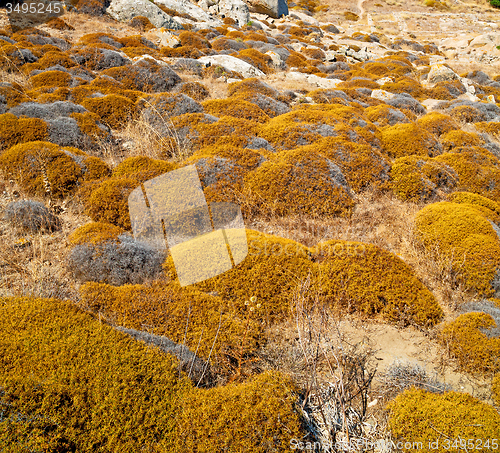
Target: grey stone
(126,10)
(273,8)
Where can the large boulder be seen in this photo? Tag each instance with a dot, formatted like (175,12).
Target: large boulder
(126,10)
(273,8)
(235,9)
(187,9)
(231,63)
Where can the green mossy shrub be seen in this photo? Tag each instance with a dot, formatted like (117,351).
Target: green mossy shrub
(251,416)
(240,109)
(14,130)
(142,168)
(463,235)
(417,416)
(300,182)
(271,271)
(95,233)
(473,350)
(409,139)
(107,201)
(165,307)
(437,123)
(459,138)
(358,277)
(420,179)
(478,170)
(82,384)
(113,110)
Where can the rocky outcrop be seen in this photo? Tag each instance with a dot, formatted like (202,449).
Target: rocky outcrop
(231,63)
(125,10)
(235,9)
(273,8)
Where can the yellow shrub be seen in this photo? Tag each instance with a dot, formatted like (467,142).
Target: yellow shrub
(88,124)
(418,179)
(55,58)
(251,86)
(300,182)
(95,232)
(257,416)
(240,109)
(472,349)
(478,170)
(383,115)
(271,271)
(195,90)
(13,95)
(362,277)
(113,110)
(492,128)
(458,138)
(464,235)
(406,85)
(142,168)
(437,123)
(165,308)
(51,79)
(14,130)
(417,416)
(81,383)
(107,201)
(467,114)
(362,165)
(475,199)
(189,38)
(41,168)
(409,139)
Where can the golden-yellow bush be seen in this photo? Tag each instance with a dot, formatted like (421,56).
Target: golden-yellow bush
(463,234)
(195,90)
(215,328)
(41,168)
(358,277)
(467,114)
(85,385)
(406,139)
(51,79)
(113,110)
(143,168)
(258,416)
(473,350)
(418,417)
(240,109)
(251,86)
(420,178)
(474,199)
(271,271)
(362,165)
(437,123)
(491,127)
(478,170)
(300,182)
(14,130)
(458,138)
(94,233)
(107,201)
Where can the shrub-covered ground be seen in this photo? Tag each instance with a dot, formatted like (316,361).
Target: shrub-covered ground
(368,177)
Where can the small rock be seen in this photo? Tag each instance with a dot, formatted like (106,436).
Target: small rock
(277,60)
(168,39)
(231,63)
(382,95)
(273,8)
(235,9)
(384,80)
